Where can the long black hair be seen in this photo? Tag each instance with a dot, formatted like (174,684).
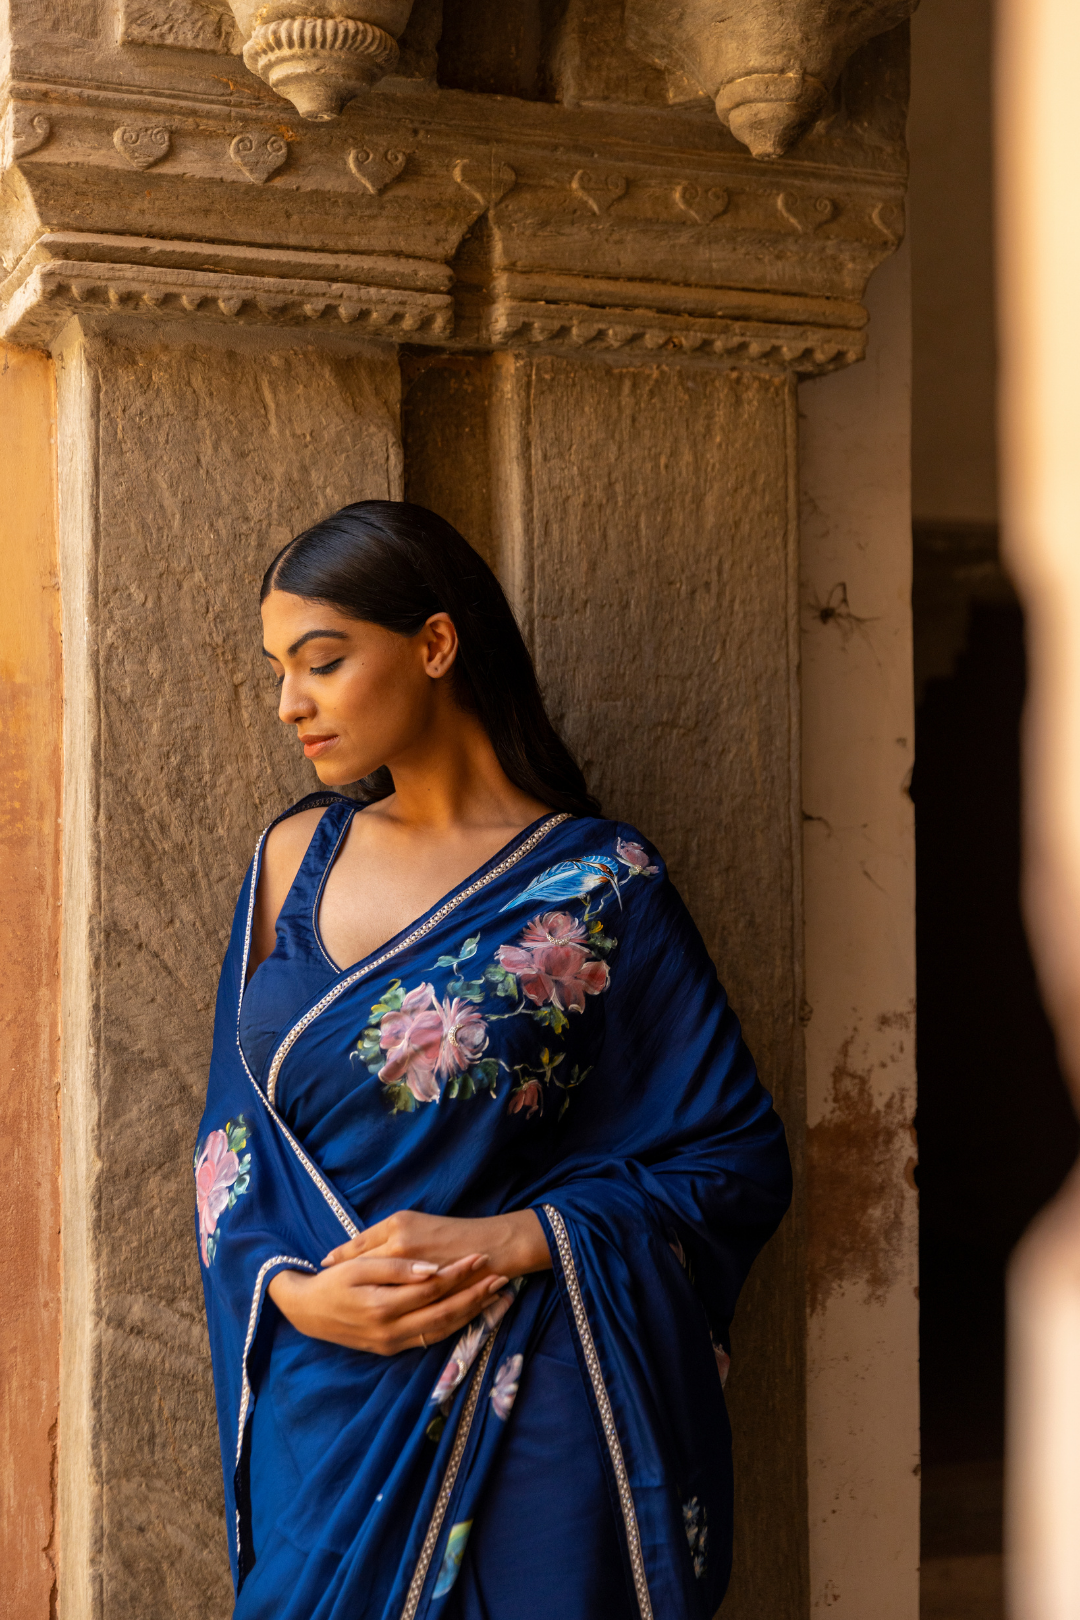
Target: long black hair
(395,564)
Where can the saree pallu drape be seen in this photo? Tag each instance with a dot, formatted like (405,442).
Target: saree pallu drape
(552,1036)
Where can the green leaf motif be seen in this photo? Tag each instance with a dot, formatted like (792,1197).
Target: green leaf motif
(368,1050)
(236,1134)
(446,961)
(435,1427)
(471,989)
(485,1073)
(391,1002)
(504,982)
(469,948)
(401,1099)
(553,1017)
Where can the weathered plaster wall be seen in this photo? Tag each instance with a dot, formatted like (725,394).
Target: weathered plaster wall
(182,469)
(859,875)
(643,522)
(30,792)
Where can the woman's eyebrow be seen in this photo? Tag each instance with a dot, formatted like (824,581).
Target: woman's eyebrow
(311,635)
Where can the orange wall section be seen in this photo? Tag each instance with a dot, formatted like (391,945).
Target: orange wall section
(30,807)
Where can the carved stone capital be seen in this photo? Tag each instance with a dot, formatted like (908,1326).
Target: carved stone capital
(319,54)
(455,221)
(768,65)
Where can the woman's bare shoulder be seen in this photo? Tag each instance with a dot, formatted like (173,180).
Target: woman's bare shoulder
(287,844)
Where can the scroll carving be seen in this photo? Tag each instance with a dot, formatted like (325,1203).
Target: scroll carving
(26,132)
(599,190)
(375,170)
(805,213)
(142,144)
(486,184)
(702,204)
(767,65)
(258,154)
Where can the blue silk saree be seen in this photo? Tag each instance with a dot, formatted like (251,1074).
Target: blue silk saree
(551,1035)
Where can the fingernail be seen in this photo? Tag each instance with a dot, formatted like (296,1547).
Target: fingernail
(496,1283)
(481,1260)
(424,1268)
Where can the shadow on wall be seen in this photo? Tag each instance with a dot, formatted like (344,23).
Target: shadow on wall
(997,1134)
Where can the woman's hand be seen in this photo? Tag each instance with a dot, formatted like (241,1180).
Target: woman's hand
(514,1244)
(384,1305)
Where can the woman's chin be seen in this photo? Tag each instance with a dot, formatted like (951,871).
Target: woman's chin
(334,773)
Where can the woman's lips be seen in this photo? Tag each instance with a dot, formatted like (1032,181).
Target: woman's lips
(314,746)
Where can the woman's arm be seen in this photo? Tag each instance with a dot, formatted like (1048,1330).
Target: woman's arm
(514,1244)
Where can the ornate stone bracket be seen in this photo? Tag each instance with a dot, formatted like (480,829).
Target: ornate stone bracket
(768,65)
(411,226)
(319,54)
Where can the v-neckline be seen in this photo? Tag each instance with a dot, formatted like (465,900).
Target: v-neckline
(503,858)
(417,922)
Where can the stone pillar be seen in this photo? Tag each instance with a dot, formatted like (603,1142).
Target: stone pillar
(184,465)
(594,313)
(644,521)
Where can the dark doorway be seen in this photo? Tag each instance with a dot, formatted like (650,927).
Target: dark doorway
(996,1132)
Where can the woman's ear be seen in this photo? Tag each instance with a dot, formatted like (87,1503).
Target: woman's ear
(440,645)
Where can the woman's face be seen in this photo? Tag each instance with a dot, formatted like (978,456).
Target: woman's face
(359,696)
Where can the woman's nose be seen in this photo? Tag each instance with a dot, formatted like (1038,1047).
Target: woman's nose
(294,703)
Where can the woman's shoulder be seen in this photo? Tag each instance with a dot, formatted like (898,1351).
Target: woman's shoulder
(286,839)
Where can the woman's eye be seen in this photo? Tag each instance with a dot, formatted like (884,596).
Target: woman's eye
(324,669)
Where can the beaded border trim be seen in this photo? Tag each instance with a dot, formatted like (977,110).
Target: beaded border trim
(592,1361)
(442,1502)
(245,1386)
(424,928)
(319,893)
(343,1216)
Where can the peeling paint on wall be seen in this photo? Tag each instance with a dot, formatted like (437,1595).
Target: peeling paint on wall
(857,1176)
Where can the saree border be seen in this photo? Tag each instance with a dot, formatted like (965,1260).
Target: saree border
(442,1501)
(346,1220)
(607,1418)
(419,932)
(245,1383)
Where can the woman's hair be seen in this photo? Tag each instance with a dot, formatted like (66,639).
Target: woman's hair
(395,564)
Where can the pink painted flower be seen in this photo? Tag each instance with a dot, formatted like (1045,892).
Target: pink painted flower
(461,1359)
(412,1038)
(504,1389)
(495,1309)
(216,1169)
(464,1036)
(552,965)
(633,856)
(554,928)
(528,1096)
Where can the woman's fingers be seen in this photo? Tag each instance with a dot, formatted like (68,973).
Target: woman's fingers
(389,1288)
(385,1269)
(438,1321)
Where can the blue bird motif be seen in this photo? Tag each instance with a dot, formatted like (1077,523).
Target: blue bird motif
(570,880)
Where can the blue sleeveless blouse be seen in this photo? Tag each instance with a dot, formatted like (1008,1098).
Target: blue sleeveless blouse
(299,967)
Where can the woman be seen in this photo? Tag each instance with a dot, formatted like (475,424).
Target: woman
(484,1161)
